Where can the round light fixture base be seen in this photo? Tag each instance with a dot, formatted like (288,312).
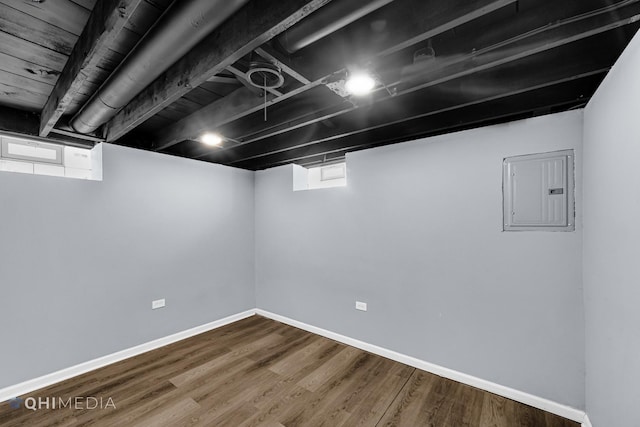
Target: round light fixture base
(265,75)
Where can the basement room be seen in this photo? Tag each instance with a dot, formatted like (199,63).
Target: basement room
(299,213)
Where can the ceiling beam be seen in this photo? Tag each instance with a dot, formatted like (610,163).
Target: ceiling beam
(547,38)
(477,114)
(253,25)
(443,98)
(103,27)
(242,77)
(540,17)
(281,62)
(438,17)
(225,110)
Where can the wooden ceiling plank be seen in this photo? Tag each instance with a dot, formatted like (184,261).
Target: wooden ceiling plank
(31,52)
(201,96)
(24,26)
(184,106)
(451,14)
(105,24)
(220,89)
(223,80)
(253,25)
(549,37)
(19,81)
(87,4)
(21,97)
(36,72)
(64,14)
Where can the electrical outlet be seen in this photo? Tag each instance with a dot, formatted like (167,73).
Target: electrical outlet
(362,306)
(159,303)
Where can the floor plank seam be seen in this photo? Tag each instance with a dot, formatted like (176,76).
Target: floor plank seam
(396,396)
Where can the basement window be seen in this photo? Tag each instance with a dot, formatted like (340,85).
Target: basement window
(325,176)
(23,155)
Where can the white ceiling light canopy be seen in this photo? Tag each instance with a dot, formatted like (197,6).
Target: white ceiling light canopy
(360,83)
(211,139)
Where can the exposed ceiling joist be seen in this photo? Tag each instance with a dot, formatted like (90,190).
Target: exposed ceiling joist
(427,19)
(441,17)
(283,63)
(508,106)
(440,66)
(232,107)
(103,27)
(242,77)
(547,38)
(439,104)
(253,25)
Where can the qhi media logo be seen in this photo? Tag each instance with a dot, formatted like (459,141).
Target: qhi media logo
(77,403)
(16,403)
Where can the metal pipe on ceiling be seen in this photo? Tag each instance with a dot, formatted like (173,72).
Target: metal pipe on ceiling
(327,20)
(179,29)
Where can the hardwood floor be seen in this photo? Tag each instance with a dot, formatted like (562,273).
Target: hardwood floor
(258,372)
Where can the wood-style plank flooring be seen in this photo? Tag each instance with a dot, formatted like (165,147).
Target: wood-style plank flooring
(258,372)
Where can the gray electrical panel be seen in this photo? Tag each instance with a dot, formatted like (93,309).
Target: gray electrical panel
(538,192)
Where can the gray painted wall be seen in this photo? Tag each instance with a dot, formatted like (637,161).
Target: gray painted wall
(417,235)
(81,261)
(611,242)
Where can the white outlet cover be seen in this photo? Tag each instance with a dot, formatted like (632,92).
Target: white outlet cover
(159,303)
(362,306)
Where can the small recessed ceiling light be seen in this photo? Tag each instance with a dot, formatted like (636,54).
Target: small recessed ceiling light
(211,139)
(360,84)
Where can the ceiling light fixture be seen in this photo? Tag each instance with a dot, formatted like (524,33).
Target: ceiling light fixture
(212,139)
(360,84)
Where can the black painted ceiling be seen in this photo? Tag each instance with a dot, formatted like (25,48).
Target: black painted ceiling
(440,65)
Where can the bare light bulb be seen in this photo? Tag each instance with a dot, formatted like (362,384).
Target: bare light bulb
(211,139)
(360,84)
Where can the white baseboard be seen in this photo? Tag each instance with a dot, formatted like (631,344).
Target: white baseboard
(64,374)
(519,396)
